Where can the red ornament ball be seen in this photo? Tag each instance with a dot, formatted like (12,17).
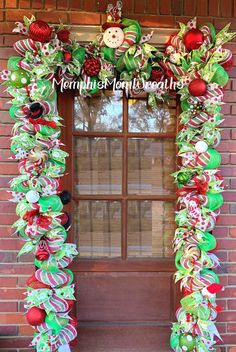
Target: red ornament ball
(92,66)
(40,31)
(63,35)
(35,316)
(193,39)
(197,87)
(67,56)
(228,64)
(42,254)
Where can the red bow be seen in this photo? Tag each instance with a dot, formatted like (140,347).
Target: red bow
(43,122)
(44,221)
(29,216)
(202,186)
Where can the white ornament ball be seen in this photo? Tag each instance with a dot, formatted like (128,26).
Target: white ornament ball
(201,147)
(113,37)
(32,196)
(150,86)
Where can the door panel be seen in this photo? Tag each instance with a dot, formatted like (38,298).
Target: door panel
(124,339)
(125,297)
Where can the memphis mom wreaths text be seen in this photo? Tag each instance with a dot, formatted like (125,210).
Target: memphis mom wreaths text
(196,60)
(115,84)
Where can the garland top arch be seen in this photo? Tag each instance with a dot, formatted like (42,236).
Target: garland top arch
(195,60)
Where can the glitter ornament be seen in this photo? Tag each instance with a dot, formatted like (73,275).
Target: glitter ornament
(32,196)
(197,87)
(40,31)
(187,342)
(92,66)
(193,39)
(35,316)
(201,147)
(19,78)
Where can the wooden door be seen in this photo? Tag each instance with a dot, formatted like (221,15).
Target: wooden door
(121,156)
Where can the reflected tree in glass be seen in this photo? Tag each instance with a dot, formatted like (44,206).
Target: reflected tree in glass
(98,163)
(145,119)
(150,228)
(98,226)
(150,163)
(99,113)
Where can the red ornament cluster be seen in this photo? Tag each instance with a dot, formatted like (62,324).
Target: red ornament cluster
(92,66)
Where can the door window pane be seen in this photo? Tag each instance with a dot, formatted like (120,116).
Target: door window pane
(150,163)
(150,228)
(99,113)
(98,164)
(98,226)
(142,118)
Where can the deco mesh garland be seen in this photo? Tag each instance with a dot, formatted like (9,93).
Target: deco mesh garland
(195,58)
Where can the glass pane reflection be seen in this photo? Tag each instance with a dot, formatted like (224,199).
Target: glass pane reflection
(98,164)
(150,228)
(142,118)
(150,163)
(99,113)
(98,225)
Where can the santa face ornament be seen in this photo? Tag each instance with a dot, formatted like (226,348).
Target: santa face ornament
(113,37)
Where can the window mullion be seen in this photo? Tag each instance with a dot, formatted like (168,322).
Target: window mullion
(124,178)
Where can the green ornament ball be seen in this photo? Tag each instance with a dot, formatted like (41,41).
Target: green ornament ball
(215,159)
(215,200)
(183,178)
(19,78)
(52,203)
(187,342)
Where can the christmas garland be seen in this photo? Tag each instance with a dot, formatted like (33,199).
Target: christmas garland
(194,58)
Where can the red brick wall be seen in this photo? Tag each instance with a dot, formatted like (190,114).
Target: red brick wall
(162,13)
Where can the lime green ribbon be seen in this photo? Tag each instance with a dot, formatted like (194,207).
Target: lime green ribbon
(108,54)
(39,296)
(56,322)
(132,25)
